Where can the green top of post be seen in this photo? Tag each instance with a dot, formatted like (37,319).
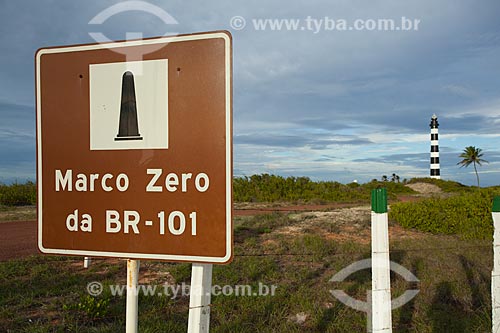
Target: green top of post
(496,205)
(379,200)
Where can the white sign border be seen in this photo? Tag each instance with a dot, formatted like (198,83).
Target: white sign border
(186,258)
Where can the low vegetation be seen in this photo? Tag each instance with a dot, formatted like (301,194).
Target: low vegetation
(272,188)
(467,214)
(18,194)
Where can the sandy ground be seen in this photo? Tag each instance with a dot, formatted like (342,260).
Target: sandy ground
(344,224)
(25,213)
(425,188)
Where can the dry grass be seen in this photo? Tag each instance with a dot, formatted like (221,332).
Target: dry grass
(22,213)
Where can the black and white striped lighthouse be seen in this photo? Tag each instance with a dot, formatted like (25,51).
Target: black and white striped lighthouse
(435,172)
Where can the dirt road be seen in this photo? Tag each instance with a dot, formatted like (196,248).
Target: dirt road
(17,239)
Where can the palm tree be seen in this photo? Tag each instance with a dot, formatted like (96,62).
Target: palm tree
(472,155)
(395,178)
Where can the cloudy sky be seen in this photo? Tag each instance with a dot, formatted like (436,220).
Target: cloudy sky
(339,103)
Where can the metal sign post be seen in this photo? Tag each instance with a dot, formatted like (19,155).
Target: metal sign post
(199,298)
(86,262)
(131,323)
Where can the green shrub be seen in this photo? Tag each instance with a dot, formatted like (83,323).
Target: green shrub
(467,214)
(271,188)
(18,194)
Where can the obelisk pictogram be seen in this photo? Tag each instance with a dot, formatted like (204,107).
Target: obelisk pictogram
(129,127)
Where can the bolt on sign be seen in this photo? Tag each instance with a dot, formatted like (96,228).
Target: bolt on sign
(134,148)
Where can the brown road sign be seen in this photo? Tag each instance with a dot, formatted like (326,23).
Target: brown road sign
(134,148)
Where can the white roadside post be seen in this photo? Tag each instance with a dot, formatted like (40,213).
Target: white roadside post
(86,262)
(199,298)
(495,274)
(131,323)
(381,284)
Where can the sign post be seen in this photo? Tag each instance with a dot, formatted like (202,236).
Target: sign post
(199,298)
(134,150)
(86,262)
(131,313)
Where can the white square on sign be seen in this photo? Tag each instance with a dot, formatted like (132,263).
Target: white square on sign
(129,105)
